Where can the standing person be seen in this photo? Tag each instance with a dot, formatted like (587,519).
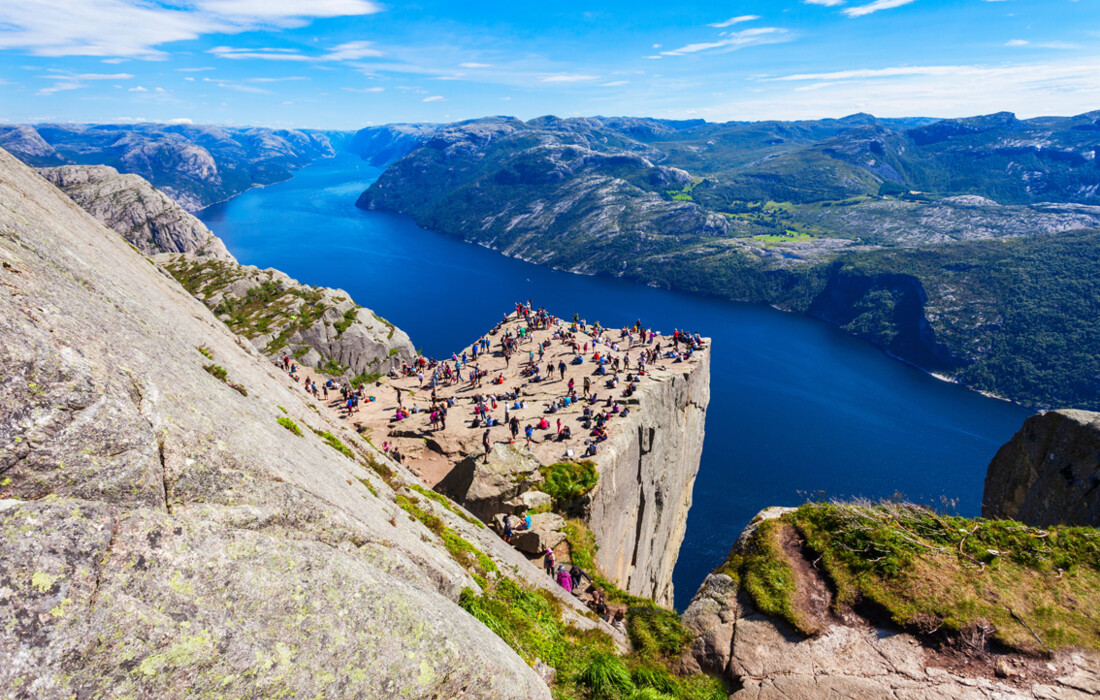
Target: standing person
(485,442)
(398,389)
(529,431)
(514,427)
(548,561)
(561,368)
(587,386)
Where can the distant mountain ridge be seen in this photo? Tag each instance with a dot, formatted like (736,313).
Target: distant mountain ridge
(877,225)
(195,165)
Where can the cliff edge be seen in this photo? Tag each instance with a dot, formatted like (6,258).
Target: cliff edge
(894,601)
(1049,472)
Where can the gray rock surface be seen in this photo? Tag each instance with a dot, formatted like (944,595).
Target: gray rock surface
(546,531)
(484,487)
(143,215)
(319,327)
(638,509)
(767,660)
(164,536)
(1049,472)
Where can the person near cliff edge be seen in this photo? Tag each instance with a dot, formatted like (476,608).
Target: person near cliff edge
(485,442)
(548,561)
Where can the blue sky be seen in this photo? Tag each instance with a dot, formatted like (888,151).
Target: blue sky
(344,64)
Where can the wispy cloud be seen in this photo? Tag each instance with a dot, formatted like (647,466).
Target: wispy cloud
(475,65)
(435,98)
(1058,45)
(568,78)
(265,54)
(861,10)
(136,28)
(734,20)
(1063,87)
(351,51)
(615,83)
(826,3)
(363,90)
(735,40)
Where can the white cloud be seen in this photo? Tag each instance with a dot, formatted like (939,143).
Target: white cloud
(734,41)
(351,51)
(364,90)
(137,89)
(826,3)
(475,65)
(732,21)
(260,54)
(567,78)
(277,80)
(1029,89)
(60,86)
(179,120)
(614,83)
(103,76)
(136,28)
(435,98)
(875,6)
(1058,45)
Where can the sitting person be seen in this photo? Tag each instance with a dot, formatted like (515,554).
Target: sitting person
(544,424)
(591,451)
(565,433)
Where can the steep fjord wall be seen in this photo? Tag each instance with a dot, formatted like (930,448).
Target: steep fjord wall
(639,508)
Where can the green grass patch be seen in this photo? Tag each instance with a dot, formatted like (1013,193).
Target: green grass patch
(566,481)
(350,316)
(446,503)
(366,482)
(205,352)
(217,371)
(466,554)
(334,442)
(530,621)
(788,237)
(1038,589)
(365,378)
(290,425)
(281,408)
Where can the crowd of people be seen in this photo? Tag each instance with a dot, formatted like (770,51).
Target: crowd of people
(609,364)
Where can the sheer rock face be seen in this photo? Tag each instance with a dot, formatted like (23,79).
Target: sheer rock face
(319,327)
(162,535)
(638,509)
(765,659)
(1049,472)
(143,215)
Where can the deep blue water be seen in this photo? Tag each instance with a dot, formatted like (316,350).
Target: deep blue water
(798,408)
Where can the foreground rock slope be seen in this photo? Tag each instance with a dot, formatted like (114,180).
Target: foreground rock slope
(1049,472)
(164,535)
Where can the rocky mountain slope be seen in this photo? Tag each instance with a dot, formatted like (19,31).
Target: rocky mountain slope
(143,215)
(382,145)
(318,327)
(1049,472)
(879,226)
(178,522)
(322,328)
(194,165)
